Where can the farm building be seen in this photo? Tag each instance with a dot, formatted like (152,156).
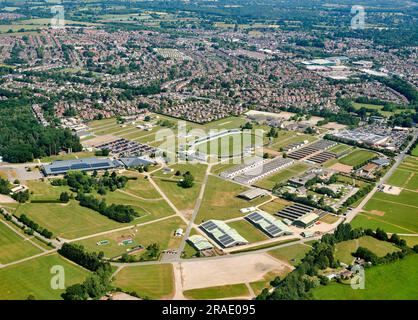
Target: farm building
(306,221)
(223,234)
(252,194)
(268,224)
(200,243)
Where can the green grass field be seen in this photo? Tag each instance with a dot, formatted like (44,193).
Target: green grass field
(147,209)
(398,214)
(67,220)
(369,221)
(19,281)
(43,190)
(275,205)
(13,247)
(292,254)
(288,137)
(397,280)
(282,176)
(153,282)
(399,178)
(357,157)
(220,200)
(161,232)
(219,292)
(248,231)
(340,148)
(183,199)
(343,250)
(415,152)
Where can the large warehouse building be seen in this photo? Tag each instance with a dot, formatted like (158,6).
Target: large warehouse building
(86,164)
(268,224)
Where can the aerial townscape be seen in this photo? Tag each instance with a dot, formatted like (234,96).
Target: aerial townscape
(207,150)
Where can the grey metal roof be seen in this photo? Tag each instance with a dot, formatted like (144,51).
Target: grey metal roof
(85,164)
(135,161)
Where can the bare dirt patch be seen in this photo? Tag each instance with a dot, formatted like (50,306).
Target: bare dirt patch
(377,213)
(6,199)
(234,270)
(334,125)
(392,190)
(341,168)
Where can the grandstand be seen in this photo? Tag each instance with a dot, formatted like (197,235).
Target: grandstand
(223,234)
(268,224)
(85,164)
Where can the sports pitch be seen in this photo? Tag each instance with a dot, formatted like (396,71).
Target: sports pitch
(357,157)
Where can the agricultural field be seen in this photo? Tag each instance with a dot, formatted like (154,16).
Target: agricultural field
(13,247)
(153,282)
(292,254)
(19,281)
(282,176)
(357,157)
(220,200)
(402,271)
(219,292)
(248,231)
(161,232)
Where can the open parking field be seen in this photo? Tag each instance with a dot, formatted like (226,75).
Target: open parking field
(67,220)
(13,247)
(357,157)
(402,271)
(161,232)
(153,282)
(19,281)
(220,200)
(282,176)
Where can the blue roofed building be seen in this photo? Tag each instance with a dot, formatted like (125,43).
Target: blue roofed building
(86,164)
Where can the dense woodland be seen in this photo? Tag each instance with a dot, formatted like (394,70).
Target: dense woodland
(23,139)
